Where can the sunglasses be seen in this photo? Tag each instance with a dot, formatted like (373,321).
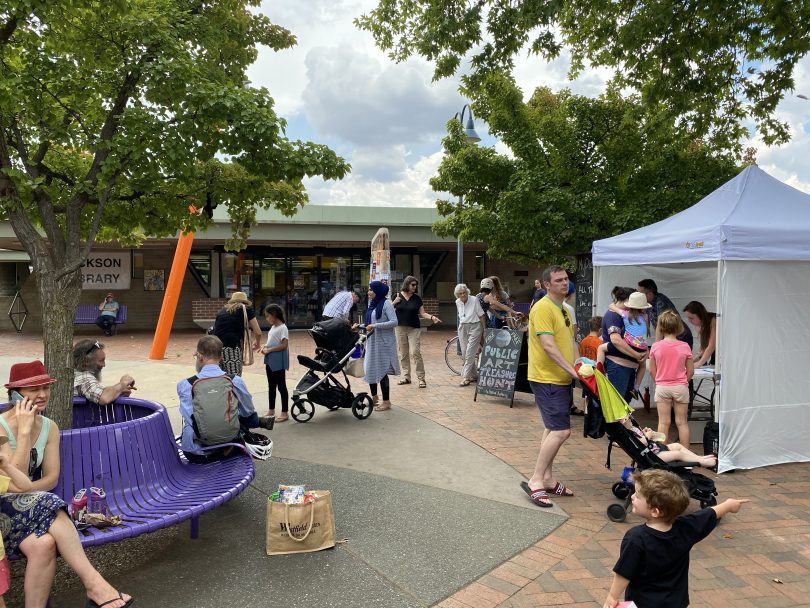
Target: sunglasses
(95,345)
(567,319)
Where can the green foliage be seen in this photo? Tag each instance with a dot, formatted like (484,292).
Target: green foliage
(581,169)
(116,116)
(712,64)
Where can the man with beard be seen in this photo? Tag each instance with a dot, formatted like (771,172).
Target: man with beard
(207,406)
(89,359)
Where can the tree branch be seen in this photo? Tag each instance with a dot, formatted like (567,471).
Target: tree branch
(43,200)
(8,29)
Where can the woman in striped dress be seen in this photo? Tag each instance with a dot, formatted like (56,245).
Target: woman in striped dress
(381,349)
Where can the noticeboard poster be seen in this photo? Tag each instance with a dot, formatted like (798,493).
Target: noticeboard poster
(498,368)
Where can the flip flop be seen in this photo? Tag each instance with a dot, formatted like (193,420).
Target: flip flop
(404,381)
(539,497)
(560,490)
(92,604)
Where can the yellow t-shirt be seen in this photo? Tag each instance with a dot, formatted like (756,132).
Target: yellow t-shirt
(4,481)
(547,318)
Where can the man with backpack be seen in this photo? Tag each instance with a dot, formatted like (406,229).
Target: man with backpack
(216,407)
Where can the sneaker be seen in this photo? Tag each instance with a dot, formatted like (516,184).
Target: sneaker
(267,422)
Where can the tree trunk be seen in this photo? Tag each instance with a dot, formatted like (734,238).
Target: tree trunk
(59,298)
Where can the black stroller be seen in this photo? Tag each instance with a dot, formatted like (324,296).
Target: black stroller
(700,487)
(334,344)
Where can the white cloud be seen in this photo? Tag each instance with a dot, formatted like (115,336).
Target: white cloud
(357,98)
(411,190)
(790,163)
(390,117)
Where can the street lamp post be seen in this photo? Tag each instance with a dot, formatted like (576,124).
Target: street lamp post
(472,137)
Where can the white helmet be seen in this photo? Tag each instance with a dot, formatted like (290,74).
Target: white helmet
(259,446)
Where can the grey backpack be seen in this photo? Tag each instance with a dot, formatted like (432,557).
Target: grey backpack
(215,409)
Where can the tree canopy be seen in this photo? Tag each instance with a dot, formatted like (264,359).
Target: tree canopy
(712,64)
(580,169)
(117,116)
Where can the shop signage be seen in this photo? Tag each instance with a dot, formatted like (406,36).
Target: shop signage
(107,270)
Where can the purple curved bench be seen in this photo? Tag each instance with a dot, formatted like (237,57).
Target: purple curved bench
(128,448)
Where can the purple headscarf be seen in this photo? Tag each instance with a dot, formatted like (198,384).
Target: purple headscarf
(380,291)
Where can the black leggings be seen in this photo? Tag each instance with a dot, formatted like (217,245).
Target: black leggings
(277,380)
(385,388)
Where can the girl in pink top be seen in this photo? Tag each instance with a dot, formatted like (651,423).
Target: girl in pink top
(672,366)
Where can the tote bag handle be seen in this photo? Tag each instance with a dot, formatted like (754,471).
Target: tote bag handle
(309,528)
(247,350)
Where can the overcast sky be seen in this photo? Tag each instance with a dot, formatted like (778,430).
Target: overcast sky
(387,119)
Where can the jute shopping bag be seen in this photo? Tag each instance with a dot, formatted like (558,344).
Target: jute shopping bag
(301,528)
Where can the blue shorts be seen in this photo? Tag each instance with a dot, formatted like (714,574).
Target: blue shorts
(554,403)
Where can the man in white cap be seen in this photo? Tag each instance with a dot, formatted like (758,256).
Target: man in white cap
(107,312)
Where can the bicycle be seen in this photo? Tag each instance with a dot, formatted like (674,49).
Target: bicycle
(452,351)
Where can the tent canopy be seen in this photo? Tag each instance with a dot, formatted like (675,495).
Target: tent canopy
(752,217)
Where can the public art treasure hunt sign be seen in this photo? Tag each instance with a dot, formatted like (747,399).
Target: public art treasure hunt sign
(498,368)
(107,270)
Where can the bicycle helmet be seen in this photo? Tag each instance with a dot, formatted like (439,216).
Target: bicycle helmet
(259,446)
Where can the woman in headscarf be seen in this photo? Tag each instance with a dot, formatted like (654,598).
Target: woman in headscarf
(381,349)
(235,317)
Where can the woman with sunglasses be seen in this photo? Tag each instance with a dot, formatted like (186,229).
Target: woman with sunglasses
(36,522)
(410,310)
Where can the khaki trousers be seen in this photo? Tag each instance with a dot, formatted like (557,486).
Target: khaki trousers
(408,345)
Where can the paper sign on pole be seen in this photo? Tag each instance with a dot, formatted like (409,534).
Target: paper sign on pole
(381,257)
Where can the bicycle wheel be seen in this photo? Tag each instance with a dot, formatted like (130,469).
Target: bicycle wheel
(452,356)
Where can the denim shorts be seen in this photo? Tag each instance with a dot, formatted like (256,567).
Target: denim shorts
(554,403)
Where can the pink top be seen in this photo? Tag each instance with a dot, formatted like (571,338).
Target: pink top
(670,361)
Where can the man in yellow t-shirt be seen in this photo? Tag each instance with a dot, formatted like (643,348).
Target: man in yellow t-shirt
(551,369)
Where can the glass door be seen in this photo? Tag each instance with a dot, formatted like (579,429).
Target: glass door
(303,303)
(271,283)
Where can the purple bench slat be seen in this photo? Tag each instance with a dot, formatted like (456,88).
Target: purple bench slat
(86,314)
(128,448)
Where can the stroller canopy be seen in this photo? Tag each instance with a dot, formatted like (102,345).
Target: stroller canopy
(334,334)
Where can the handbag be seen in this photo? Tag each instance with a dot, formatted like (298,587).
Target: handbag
(356,368)
(300,528)
(247,349)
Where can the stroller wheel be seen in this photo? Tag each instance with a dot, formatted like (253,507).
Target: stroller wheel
(620,490)
(362,406)
(616,512)
(711,502)
(302,411)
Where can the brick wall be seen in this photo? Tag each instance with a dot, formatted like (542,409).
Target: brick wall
(431,305)
(207,309)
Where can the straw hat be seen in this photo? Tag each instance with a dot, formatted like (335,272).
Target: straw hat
(239,297)
(638,301)
(23,375)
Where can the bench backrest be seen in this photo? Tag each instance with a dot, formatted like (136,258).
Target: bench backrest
(88,313)
(132,455)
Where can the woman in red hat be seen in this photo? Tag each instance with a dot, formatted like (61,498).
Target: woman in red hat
(36,521)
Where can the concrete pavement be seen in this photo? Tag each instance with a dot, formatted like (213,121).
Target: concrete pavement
(759,557)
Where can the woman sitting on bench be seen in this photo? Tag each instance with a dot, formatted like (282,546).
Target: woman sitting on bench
(39,526)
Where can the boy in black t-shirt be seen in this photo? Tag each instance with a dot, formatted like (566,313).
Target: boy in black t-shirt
(653,565)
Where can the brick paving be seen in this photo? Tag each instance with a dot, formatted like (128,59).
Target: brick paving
(757,558)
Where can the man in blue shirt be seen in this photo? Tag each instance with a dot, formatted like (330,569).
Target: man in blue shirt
(208,356)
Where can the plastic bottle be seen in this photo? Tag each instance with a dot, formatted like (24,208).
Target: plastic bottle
(646,399)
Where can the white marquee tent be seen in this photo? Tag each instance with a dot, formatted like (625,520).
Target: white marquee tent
(744,251)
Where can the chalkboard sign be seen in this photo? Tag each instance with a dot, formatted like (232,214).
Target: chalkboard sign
(498,368)
(584,294)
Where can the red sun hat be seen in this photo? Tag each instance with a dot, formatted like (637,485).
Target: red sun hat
(24,375)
